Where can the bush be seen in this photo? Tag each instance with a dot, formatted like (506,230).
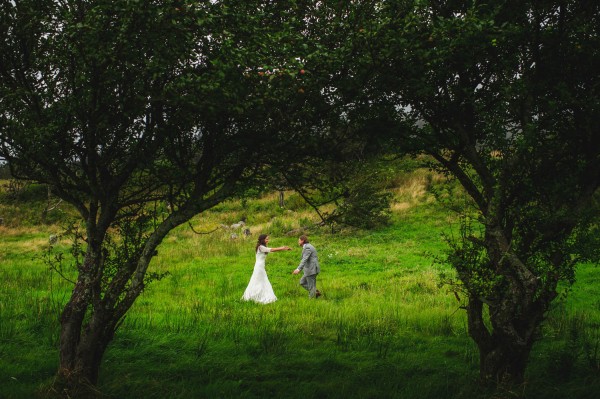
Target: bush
(365,204)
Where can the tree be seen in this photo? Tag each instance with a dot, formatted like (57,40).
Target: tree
(141,117)
(504,96)
(340,171)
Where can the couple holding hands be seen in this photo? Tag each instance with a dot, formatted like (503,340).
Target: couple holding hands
(259,288)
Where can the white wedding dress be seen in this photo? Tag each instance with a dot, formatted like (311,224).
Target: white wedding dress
(259,288)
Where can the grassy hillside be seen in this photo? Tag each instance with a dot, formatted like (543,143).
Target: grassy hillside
(384,327)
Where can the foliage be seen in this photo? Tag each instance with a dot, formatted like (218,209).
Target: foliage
(502,96)
(364,203)
(124,109)
(364,207)
(141,118)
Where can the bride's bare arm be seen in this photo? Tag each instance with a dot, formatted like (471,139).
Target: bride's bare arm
(281,249)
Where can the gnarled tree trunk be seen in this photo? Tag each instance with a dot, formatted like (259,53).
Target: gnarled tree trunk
(516,312)
(503,352)
(94,312)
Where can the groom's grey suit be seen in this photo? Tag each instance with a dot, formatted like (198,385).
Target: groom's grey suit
(310,266)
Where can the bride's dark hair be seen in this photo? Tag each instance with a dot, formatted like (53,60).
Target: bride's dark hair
(261,241)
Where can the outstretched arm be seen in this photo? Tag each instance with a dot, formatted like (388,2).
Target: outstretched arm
(285,248)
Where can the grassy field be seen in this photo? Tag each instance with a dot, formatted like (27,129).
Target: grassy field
(384,328)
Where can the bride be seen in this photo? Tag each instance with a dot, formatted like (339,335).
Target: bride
(259,288)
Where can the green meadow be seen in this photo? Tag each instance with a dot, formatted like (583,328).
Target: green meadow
(384,328)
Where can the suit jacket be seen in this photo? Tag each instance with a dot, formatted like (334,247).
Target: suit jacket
(310,261)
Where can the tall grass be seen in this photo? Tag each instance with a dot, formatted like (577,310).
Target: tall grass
(384,327)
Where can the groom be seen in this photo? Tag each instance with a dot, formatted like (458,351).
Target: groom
(310,265)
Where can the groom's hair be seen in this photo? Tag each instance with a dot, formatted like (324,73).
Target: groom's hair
(304,239)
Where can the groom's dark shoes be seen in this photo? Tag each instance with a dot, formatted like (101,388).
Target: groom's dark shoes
(318,294)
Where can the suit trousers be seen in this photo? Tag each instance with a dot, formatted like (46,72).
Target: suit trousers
(310,284)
